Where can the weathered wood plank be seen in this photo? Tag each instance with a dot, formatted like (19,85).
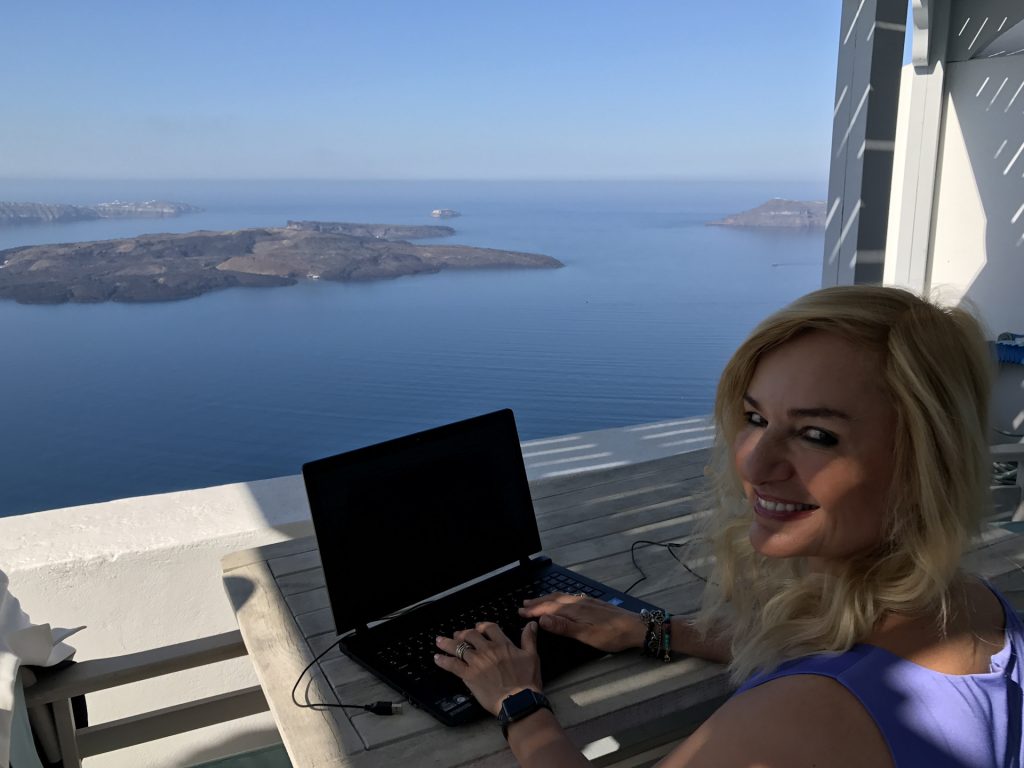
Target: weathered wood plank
(574,554)
(993,559)
(548,509)
(620,524)
(259,554)
(587,711)
(656,563)
(279,654)
(570,484)
(311,600)
(619,490)
(295,562)
(100,674)
(180,718)
(340,670)
(320,643)
(316,622)
(303,581)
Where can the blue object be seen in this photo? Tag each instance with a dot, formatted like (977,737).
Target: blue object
(929,719)
(1010,348)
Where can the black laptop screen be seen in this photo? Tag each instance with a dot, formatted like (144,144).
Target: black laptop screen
(404,520)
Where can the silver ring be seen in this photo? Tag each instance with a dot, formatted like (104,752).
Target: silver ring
(461,648)
(579,594)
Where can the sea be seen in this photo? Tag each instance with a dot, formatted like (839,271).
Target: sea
(113,400)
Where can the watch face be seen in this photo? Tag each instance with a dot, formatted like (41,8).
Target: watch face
(519,704)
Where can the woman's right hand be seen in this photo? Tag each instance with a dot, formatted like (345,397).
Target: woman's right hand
(594,622)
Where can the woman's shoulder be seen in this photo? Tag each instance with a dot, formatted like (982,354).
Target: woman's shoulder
(798,720)
(978,630)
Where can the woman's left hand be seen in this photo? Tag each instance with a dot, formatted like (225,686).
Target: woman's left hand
(492,668)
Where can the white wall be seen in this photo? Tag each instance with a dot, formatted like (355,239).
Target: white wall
(978,248)
(145,572)
(976,253)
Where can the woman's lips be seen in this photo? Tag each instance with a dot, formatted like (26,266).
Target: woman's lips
(780,510)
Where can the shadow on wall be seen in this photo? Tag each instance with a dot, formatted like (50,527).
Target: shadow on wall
(282,503)
(246,755)
(987,99)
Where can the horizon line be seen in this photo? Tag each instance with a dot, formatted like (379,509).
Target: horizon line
(420,179)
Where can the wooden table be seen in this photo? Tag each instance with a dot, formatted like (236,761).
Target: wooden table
(588,523)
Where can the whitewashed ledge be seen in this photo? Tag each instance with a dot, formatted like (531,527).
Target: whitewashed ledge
(145,572)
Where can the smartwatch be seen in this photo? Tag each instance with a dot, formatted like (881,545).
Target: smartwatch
(520,705)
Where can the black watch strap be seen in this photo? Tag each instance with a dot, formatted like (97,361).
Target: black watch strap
(520,705)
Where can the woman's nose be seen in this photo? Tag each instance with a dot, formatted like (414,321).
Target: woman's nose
(762,458)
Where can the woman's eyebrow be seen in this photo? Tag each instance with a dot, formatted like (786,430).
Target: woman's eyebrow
(820,412)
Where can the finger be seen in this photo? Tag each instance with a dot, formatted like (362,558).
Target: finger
(529,640)
(451,664)
(467,634)
(492,631)
(474,637)
(556,598)
(568,606)
(447,644)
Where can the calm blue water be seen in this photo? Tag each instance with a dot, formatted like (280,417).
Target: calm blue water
(112,400)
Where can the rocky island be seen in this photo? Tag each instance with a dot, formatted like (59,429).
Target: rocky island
(778,213)
(179,266)
(44,213)
(377,231)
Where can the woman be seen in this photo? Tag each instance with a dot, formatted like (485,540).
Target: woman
(850,473)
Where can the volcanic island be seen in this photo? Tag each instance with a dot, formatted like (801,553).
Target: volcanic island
(166,267)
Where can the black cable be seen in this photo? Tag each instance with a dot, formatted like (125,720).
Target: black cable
(670,546)
(377,708)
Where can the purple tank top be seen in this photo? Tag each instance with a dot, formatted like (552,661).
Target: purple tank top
(929,719)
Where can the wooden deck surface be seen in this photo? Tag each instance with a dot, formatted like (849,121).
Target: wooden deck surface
(587,522)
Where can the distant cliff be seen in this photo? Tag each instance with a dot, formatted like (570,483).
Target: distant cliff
(152,209)
(180,266)
(378,231)
(43,213)
(784,214)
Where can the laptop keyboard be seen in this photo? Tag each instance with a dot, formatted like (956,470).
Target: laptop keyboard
(414,655)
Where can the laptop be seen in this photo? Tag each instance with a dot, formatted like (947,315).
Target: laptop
(428,534)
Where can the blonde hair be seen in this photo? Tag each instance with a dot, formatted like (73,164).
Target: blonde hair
(936,369)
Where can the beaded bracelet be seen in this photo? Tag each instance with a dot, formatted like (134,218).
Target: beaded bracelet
(658,638)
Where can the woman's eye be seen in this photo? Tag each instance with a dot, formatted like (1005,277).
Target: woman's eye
(820,437)
(755,419)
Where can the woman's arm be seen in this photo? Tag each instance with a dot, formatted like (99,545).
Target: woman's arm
(802,720)
(717,646)
(610,628)
(493,669)
(538,741)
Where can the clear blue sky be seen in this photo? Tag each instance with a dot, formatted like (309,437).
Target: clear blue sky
(474,89)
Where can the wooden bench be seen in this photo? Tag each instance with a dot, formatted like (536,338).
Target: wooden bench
(56,691)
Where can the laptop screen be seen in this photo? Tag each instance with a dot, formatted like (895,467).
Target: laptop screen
(404,520)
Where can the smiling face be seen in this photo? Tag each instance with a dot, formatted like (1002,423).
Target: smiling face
(815,451)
